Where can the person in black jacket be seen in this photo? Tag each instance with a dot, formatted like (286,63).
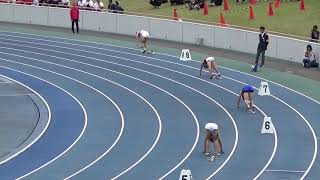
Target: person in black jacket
(156,3)
(262,47)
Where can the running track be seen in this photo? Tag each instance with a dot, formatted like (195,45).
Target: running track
(117,113)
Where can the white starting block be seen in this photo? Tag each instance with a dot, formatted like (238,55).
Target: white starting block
(185,55)
(185,174)
(264,89)
(267,126)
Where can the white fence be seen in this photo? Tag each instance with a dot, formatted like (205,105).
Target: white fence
(214,36)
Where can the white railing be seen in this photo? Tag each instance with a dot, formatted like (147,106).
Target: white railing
(280,47)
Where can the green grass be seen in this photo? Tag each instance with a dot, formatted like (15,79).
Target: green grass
(288,18)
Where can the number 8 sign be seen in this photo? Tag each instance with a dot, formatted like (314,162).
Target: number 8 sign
(185,55)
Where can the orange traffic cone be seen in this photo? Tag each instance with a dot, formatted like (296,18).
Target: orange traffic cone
(222,21)
(205,9)
(277,3)
(251,14)
(270,9)
(225,5)
(302,5)
(175,14)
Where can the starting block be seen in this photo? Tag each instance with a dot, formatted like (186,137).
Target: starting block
(267,126)
(264,89)
(185,55)
(185,174)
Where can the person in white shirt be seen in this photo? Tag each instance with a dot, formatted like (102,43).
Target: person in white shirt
(142,37)
(213,136)
(309,58)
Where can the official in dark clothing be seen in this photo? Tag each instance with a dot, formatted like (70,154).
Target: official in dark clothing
(262,47)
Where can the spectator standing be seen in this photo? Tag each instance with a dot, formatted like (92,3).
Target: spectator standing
(315,34)
(74,14)
(262,47)
(309,58)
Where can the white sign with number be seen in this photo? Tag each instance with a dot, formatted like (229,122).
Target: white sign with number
(185,174)
(267,126)
(185,55)
(264,89)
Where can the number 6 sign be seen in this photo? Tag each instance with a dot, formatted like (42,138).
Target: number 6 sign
(264,89)
(267,126)
(185,174)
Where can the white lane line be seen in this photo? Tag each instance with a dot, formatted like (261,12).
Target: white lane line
(168,55)
(197,61)
(197,135)
(275,147)
(106,152)
(42,132)
(139,70)
(312,131)
(159,120)
(86,118)
(28,94)
(131,68)
(284,170)
(82,107)
(175,82)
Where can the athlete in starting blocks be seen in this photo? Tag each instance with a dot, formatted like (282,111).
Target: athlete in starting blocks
(213,136)
(142,37)
(247,95)
(210,64)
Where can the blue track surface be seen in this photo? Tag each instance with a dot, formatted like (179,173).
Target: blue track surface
(165,105)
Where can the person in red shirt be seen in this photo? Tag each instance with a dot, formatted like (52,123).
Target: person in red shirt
(74,14)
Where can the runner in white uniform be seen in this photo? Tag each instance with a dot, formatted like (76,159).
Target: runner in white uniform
(212,135)
(142,38)
(210,64)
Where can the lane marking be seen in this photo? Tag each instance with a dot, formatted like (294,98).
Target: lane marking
(159,120)
(118,137)
(168,55)
(220,66)
(124,66)
(54,63)
(3,95)
(82,63)
(121,114)
(42,132)
(283,170)
(82,107)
